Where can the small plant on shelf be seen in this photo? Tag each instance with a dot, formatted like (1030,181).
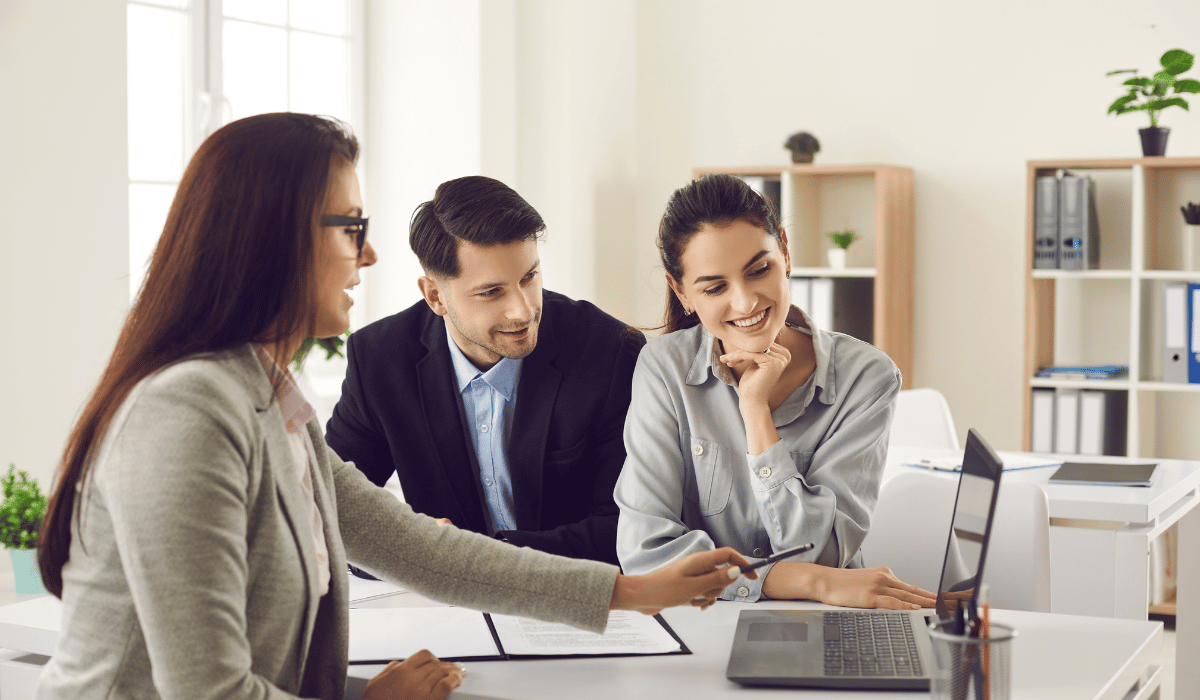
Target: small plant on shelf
(22,510)
(1154,94)
(803,146)
(1191,214)
(843,239)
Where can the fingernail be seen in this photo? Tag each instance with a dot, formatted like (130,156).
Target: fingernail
(734,572)
(462,670)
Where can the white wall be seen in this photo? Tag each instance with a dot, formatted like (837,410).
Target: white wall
(963,93)
(596,112)
(64,228)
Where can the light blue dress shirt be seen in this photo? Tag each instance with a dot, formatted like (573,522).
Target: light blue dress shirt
(488,401)
(688,484)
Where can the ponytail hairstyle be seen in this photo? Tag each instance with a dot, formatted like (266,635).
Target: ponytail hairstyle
(713,200)
(233,266)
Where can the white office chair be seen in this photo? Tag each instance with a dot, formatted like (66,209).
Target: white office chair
(912,522)
(923,419)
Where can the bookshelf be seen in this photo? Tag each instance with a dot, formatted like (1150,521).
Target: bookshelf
(1114,314)
(877,202)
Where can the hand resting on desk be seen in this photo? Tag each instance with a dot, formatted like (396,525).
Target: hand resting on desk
(419,677)
(853,588)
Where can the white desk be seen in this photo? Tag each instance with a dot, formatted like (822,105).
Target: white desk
(1055,657)
(1100,545)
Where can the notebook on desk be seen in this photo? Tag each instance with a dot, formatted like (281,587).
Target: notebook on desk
(829,649)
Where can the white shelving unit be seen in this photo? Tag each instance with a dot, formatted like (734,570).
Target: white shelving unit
(1114,314)
(877,202)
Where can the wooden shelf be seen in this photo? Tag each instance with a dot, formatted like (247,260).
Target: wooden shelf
(1166,607)
(1113,315)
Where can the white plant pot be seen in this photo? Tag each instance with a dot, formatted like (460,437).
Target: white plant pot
(1189,254)
(837,258)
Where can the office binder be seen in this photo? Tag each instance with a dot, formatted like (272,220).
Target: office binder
(1042,432)
(1102,422)
(1066,421)
(1045,222)
(821,310)
(801,289)
(1193,358)
(1078,228)
(1175,336)
(770,187)
(1175,333)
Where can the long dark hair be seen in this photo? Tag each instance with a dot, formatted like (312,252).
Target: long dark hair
(233,265)
(713,200)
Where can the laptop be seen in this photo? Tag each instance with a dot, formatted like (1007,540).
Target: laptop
(829,648)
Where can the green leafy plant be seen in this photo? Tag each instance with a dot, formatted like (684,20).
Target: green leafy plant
(843,239)
(1156,93)
(332,347)
(22,510)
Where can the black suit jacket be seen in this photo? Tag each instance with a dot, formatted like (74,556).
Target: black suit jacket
(400,412)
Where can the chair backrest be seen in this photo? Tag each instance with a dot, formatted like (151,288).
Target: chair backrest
(912,522)
(922,419)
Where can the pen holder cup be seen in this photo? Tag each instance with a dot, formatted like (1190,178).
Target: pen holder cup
(970,668)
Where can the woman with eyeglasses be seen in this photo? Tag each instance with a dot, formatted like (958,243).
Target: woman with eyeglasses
(199,527)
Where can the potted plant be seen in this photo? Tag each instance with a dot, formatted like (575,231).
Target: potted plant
(21,514)
(841,241)
(1155,94)
(802,145)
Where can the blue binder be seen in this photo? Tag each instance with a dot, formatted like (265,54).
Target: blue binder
(1193,331)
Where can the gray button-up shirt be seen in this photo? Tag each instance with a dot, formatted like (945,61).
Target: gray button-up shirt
(688,484)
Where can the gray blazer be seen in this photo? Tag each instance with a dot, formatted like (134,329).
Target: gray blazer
(191,572)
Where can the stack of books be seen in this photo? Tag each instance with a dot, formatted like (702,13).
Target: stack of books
(1087,372)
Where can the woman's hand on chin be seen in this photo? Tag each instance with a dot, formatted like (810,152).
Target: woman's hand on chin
(759,372)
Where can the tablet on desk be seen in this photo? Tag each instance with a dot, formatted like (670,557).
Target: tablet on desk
(1104,474)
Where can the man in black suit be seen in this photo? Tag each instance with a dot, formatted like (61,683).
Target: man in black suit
(501,407)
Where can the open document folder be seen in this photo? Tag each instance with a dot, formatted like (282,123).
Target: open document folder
(381,635)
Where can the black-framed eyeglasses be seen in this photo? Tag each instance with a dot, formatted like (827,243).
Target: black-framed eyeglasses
(358,223)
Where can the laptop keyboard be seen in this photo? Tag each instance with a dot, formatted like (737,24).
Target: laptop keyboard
(870,644)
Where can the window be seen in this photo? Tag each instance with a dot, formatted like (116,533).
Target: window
(194,65)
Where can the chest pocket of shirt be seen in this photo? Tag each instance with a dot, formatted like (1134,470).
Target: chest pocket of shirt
(714,475)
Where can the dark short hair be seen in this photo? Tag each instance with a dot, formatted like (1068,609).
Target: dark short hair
(717,200)
(475,209)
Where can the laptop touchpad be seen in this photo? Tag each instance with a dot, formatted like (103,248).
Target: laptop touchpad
(778,632)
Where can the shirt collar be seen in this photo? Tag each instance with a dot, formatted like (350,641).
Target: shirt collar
(708,358)
(502,377)
(295,408)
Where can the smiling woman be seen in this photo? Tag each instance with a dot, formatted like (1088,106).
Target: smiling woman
(749,426)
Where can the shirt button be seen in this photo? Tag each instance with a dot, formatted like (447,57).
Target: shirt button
(764,472)
(758,552)
(487,482)
(743,591)
(697,449)
(483,428)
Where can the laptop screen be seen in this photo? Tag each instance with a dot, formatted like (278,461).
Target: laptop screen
(974,507)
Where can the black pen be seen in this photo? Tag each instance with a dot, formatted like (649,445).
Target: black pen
(776,557)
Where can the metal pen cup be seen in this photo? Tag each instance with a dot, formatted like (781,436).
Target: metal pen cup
(971,668)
